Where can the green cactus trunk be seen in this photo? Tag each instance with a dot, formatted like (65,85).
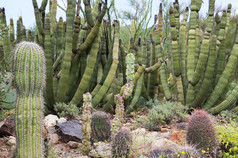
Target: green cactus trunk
(29,71)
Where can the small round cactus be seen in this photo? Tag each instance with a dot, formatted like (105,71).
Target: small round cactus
(100,126)
(28,67)
(201,132)
(121,143)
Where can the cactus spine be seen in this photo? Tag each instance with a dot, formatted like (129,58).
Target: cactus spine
(28,66)
(86,122)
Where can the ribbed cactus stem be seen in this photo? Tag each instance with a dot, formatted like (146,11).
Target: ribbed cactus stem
(86,122)
(119,107)
(12,32)
(28,67)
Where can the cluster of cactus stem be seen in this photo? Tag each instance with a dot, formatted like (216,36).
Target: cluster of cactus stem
(28,67)
(201,132)
(88,56)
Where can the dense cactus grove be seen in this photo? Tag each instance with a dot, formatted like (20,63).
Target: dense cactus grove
(82,61)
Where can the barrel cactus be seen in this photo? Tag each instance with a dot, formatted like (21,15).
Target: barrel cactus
(100,126)
(201,132)
(121,143)
(28,67)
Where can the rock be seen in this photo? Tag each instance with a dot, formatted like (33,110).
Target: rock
(8,128)
(164,130)
(141,142)
(102,149)
(53,138)
(62,120)
(83,157)
(70,131)
(2,122)
(73,145)
(164,144)
(50,120)
(165,135)
(138,131)
(11,141)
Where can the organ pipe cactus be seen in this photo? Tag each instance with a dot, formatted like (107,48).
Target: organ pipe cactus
(86,122)
(28,67)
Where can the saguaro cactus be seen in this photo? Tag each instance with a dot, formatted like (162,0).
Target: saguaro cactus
(28,67)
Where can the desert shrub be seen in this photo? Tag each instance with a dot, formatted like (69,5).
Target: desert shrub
(66,110)
(163,113)
(228,139)
(226,116)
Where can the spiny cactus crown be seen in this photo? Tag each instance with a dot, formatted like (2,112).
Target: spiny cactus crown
(28,67)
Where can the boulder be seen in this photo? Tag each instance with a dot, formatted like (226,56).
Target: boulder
(70,131)
(50,120)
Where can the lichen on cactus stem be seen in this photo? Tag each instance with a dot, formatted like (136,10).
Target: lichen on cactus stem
(100,126)
(28,67)
(128,90)
(121,143)
(86,122)
(119,107)
(130,61)
(201,132)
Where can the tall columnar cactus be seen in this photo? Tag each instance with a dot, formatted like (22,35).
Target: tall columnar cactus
(121,143)
(201,132)
(28,67)
(86,122)
(100,126)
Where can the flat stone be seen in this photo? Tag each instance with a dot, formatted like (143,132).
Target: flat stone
(50,120)
(102,150)
(163,144)
(53,138)
(164,130)
(70,131)
(11,141)
(62,120)
(165,135)
(73,145)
